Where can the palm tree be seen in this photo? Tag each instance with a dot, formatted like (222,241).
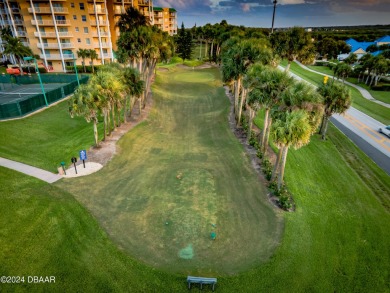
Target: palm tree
(342,70)
(291,129)
(134,87)
(267,90)
(291,44)
(336,99)
(93,56)
(14,46)
(83,53)
(85,102)
(130,19)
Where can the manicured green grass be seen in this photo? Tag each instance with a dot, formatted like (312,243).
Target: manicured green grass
(322,69)
(180,176)
(46,139)
(337,240)
(372,109)
(46,232)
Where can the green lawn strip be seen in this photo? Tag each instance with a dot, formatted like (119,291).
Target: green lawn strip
(383,96)
(46,139)
(337,238)
(179,176)
(372,109)
(46,232)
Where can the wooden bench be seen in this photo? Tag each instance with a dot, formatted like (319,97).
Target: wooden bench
(201,281)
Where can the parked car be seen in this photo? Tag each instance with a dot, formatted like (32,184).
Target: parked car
(385,130)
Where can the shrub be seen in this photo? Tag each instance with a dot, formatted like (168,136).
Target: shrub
(259,154)
(381,87)
(285,202)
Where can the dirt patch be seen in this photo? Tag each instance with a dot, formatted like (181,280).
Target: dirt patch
(105,152)
(203,66)
(163,69)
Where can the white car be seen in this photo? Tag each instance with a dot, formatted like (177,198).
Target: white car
(385,130)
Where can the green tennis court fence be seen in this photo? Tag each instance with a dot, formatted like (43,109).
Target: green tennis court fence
(46,78)
(23,107)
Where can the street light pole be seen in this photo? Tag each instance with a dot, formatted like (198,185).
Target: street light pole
(75,69)
(29,58)
(273,16)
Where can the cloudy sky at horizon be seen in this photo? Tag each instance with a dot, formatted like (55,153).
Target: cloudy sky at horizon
(258,13)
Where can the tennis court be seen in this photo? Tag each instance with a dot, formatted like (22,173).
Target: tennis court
(10,93)
(21,95)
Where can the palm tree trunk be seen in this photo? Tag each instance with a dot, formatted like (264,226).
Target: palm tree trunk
(108,122)
(200,50)
(95,132)
(243,97)
(322,124)
(288,66)
(368,76)
(325,127)
(236,94)
(265,146)
(251,116)
(266,118)
(85,69)
(125,110)
(282,167)
(105,124)
(206,43)
(211,50)
(277,165)
(113,116)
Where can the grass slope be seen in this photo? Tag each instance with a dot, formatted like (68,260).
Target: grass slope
(46,139)
(178,174)
(46,232)
(372,109)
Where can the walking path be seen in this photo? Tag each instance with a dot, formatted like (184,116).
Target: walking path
(30,170)
(365,93)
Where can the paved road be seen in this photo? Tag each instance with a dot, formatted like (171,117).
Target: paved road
(363,131)
(30,170)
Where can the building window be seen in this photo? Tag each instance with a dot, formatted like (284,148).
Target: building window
(88,41)
(86,30)
(72,5)
(75,17)
(79,40)
(76,29)
(84,18)
(81,6)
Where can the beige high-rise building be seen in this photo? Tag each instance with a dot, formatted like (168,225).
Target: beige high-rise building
(56,29)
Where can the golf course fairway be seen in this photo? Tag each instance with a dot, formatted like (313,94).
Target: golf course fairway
(180,177)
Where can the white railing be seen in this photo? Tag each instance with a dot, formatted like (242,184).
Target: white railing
(25,44)
(107,55)
(53,34)
(50,22)
(15,10)
(56,56)
(99,11)
(102,34)
(18,21)
(21,33)
(48,10)
(55,45)
(119,10)
(104,45)
(101,22)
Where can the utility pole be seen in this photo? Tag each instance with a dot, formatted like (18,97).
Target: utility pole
(273,16)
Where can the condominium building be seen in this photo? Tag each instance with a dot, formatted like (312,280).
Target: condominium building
(56,29)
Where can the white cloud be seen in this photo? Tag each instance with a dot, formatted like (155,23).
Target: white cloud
(291,2)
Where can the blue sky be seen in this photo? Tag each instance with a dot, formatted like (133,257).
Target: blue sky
(258,13)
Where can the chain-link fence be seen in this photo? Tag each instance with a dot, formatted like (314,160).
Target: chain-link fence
(17,105)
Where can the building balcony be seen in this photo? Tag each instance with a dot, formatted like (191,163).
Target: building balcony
(26,44)
(50,22)
(120,10)
(97,11)
(107,55)
(97,1)
(57,56)
(143,2)
(21,33)
(55,45)
(101,23)
(102,34)
(47,10)
(17,22)
(104,45)
(54,35)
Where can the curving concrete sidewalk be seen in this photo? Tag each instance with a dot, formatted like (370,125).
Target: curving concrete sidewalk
(30,170)
(365,93)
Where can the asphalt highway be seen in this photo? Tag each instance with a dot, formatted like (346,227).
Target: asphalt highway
(363,131)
